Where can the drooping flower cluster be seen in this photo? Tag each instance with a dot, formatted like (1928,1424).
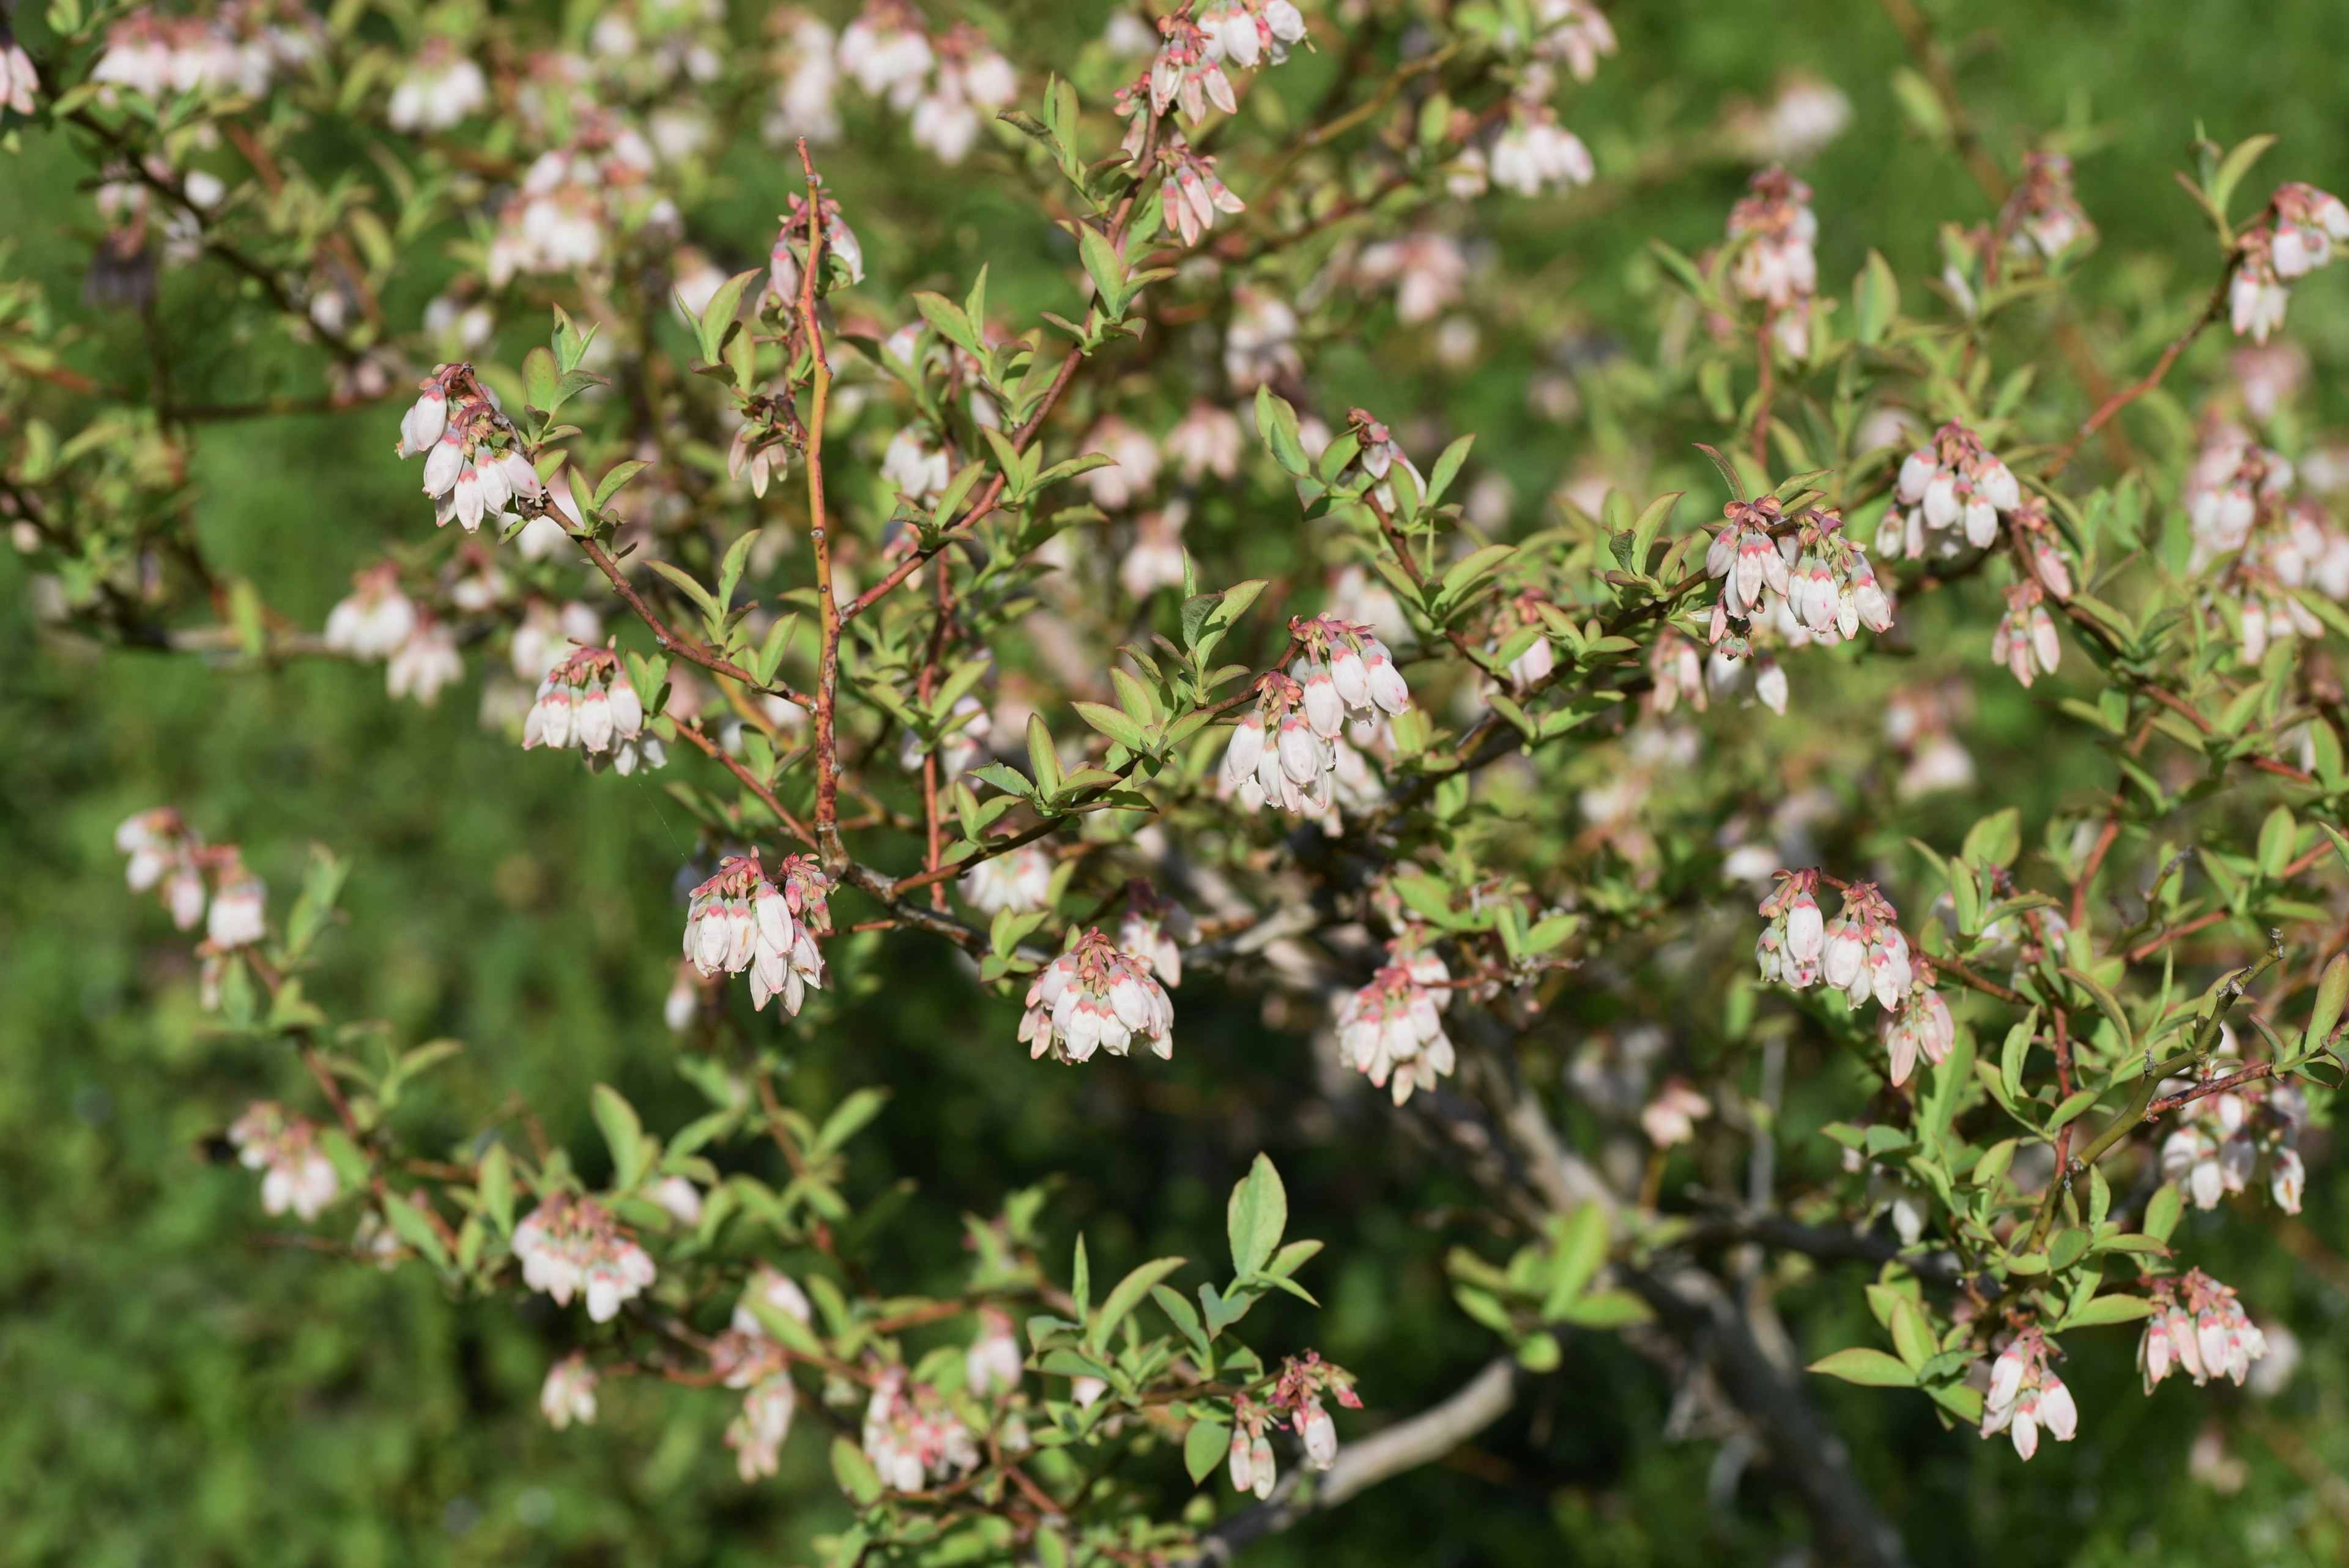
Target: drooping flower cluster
(586,700)
(1862,953)
(568,1394)
(1811,585)
(1392,1030)
(787,257)
(239,47)
(748,1358)
(298,1175)
(1191,193)
(2273,545)
(993,1364)
(1155,929)
(2197,1326)
(2044,213)
(573,199)
(891,55)
(1803,116)
(571,1244)
(1530,155)
(2220,1140)
(1954,491)
(1671,1117)
(472,470)
(739,920)
(2273,254)
(911,1434)
(2026,1396)
(440,87)
(1019,880)
(1295,1401)
(1773,229)
(1096,996)
(166,854)
(2025,641)
(1426,270)
(1285,748)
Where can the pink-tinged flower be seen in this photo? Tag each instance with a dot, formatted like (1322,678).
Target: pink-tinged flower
(912,1436)
(1260,344)
(1133,467)
(1206,439)
(296,1173)
(2025,641)
(1951,493)
(424,663)
(20,83)
(571,1245)
(569,1392)
(2307,223)
(993,1364)
(376,621)
(887,51)
(739,920)
(1191,193)
(439,88)
(757,1433)
(2257,296)
(774,1290)
(1678,671)
(1155,929)
(1671,1117)
(2198,1326)
(1534,153)
(166,854)
(1096,997)
(971,78)
(586,700)
(2044,213)
(240,907)
(917,472)
(1776,264)
(1155,560)
(1922,1025)
(1392,1032)
(1019,880)
(2027,1397)
(1426,270)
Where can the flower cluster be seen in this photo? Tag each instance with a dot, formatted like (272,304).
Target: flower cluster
(1953,490)
(588,702)
(1096,996)
(2198,1326)
(471,470)
(949,84)
(20,83)
(1773,229)
(1531,153)
(568,1394)
(912,1437)
(2025,639)
(378,622)
(739,920)
(570,1244)
(235,49)
(1019,880)
(2026,1396)
(787,257)
(993,1364)
(439,88)
(2272,255)
(1295,1401)
(1813,585)
(1191,193)
(1671,1117)
(165,853)
(1285,748)
(2043,214)
(572,198)
(2222,1139)
(1392,1030)
(298,1175)
(1155,929)
(1862,953)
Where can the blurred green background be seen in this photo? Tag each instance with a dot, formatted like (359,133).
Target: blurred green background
(178,1385)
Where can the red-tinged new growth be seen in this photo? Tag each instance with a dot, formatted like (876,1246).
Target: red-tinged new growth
(296,1173)
(2026,1398)
(571,1245)
(1096,997)
(586,702)
(2197,1327)
(739,920)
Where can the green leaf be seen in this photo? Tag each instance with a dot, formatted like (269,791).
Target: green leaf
(495,1177)
(1255,1216)
(1117,726)
(1912,1337)
(2105,1310)
(2162,1212)
(1876,298)
(2331,993)
(849,1118)
(710,327)
(617,475)
(2237,164)
(411,1225)
(1207,1445)
(1871,1368)
(1578,1245)
(1125,1297)
(2276,836)
(2016,1052)
(1472,569)
(1106,268)
(854,1472)
(539,378)
(1996,839)
(1447,468)
(624,1135)
(1605,1309)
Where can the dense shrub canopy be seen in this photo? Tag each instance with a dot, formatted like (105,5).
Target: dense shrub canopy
(1441,782)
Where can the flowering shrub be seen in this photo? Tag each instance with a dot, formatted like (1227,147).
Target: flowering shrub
(1088,635)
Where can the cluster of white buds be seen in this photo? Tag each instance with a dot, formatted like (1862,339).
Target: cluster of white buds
(1392,1030)
(1019,880)
(166,854)
(1285,749)
(2198,1326)
(376,619)
(1671,1117)
(1954,491)
(2220,1139)
(2044,213)
(2233,483)
(1252,1466)
(1774,229)
(20,84)
(1677,669)
(748,1358)
(1920,1025)
(586,700)
(1426,268)
(2025,641)
(2042,547)
(240,904)
(972,80)
(570,199)
(911,1434)
(1190,195)
(2026,1396)
(1096,996)
(1803,116)
(571,1244)
(889,54)
(568,1394)
(1815,583)
(739,920)
(454,425)
(230,50)
(1531,153)
(440,87)
(1862,953)
(1155,929)
(1304,1382)
(1574,31)
(787,257)
(993,1364)
(298,1175)
(2272,255)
